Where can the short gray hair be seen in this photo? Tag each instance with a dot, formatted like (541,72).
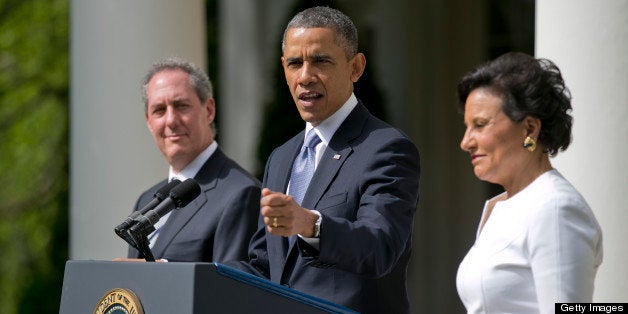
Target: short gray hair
(198,79)
(346,35)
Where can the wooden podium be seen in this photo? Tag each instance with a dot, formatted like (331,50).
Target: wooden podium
(178,288)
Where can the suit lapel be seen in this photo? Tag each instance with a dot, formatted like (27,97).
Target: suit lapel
(284,176)
(278,181)
(207,178)
(337,152)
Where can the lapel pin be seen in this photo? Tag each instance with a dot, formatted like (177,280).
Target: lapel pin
(337,157)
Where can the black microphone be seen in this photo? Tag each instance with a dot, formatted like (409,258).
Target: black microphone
(158,197)
(180,196)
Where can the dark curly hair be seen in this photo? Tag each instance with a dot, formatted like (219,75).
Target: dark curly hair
(527,87)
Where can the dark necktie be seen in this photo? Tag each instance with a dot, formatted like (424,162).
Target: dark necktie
(152,238)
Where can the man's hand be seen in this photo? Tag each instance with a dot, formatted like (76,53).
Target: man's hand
(284,217)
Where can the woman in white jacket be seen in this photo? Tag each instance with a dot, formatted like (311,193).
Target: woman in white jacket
(538,243)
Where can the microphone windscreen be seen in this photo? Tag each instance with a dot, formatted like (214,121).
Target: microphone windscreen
(185,192)
(164,191)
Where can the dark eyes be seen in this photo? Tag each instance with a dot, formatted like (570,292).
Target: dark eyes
(161,110)
(315,61)
(158,111)
(294,64)
(476,125)
(321,60)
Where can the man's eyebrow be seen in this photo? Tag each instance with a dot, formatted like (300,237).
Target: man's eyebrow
(293,59)
(180,100)
(320,56)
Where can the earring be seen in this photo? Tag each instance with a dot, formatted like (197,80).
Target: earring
(529,144)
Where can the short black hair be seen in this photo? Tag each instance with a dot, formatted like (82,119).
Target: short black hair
(527,87)
(346,35)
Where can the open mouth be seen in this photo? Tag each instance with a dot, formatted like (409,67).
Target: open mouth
(309,96)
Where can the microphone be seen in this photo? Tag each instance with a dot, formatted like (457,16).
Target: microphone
(158,197)
(179,196)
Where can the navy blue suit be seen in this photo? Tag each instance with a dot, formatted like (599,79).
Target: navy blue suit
(366,188)
(218,224)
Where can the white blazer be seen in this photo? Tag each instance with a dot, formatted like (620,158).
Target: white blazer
(539,247)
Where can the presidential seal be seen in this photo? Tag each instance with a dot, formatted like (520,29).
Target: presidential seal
(119,301)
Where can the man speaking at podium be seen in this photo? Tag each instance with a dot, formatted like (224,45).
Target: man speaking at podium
(339,198)
(218,224)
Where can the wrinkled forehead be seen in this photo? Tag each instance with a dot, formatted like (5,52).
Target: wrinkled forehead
(316,39)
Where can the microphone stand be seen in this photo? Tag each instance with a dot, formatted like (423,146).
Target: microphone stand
(140,237)
(126,236)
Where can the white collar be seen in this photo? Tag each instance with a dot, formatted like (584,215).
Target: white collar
(192,168)
(329,126)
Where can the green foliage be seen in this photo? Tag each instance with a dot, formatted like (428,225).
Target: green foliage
(33,153)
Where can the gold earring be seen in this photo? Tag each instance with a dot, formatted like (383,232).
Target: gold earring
(529,144)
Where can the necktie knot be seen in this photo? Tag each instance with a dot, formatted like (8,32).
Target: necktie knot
(311,139)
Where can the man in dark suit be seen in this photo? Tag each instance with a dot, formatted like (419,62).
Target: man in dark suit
(217,225)
(347,238)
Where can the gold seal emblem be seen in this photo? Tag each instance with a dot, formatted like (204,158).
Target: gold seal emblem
(119,301)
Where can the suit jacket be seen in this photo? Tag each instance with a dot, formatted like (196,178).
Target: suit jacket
(218,224)
(541,246)
(366,188)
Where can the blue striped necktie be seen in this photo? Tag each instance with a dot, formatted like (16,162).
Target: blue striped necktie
(303,169)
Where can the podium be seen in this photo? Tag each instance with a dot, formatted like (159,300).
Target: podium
(181,288)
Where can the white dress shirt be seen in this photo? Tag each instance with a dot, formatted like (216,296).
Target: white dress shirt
(189,171)
(325,131)
(541,246)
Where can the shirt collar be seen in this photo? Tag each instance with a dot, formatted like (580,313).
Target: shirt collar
(328,127)
(192,168)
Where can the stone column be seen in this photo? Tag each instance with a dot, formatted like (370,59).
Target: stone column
(113,156)
(249,53)
(241,90)
(588,40)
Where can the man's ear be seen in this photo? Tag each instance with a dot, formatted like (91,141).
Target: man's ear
(210,105)
(358,64)
(150,128)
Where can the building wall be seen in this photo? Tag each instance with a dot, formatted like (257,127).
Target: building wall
(588,42)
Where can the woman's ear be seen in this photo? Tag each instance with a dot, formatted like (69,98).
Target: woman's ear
(532,127)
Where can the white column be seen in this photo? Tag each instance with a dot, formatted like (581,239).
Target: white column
(588,40)
(241,95)
(249,55)
(113,156)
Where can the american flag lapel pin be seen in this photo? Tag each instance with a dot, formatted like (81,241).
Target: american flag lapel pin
(337,157)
